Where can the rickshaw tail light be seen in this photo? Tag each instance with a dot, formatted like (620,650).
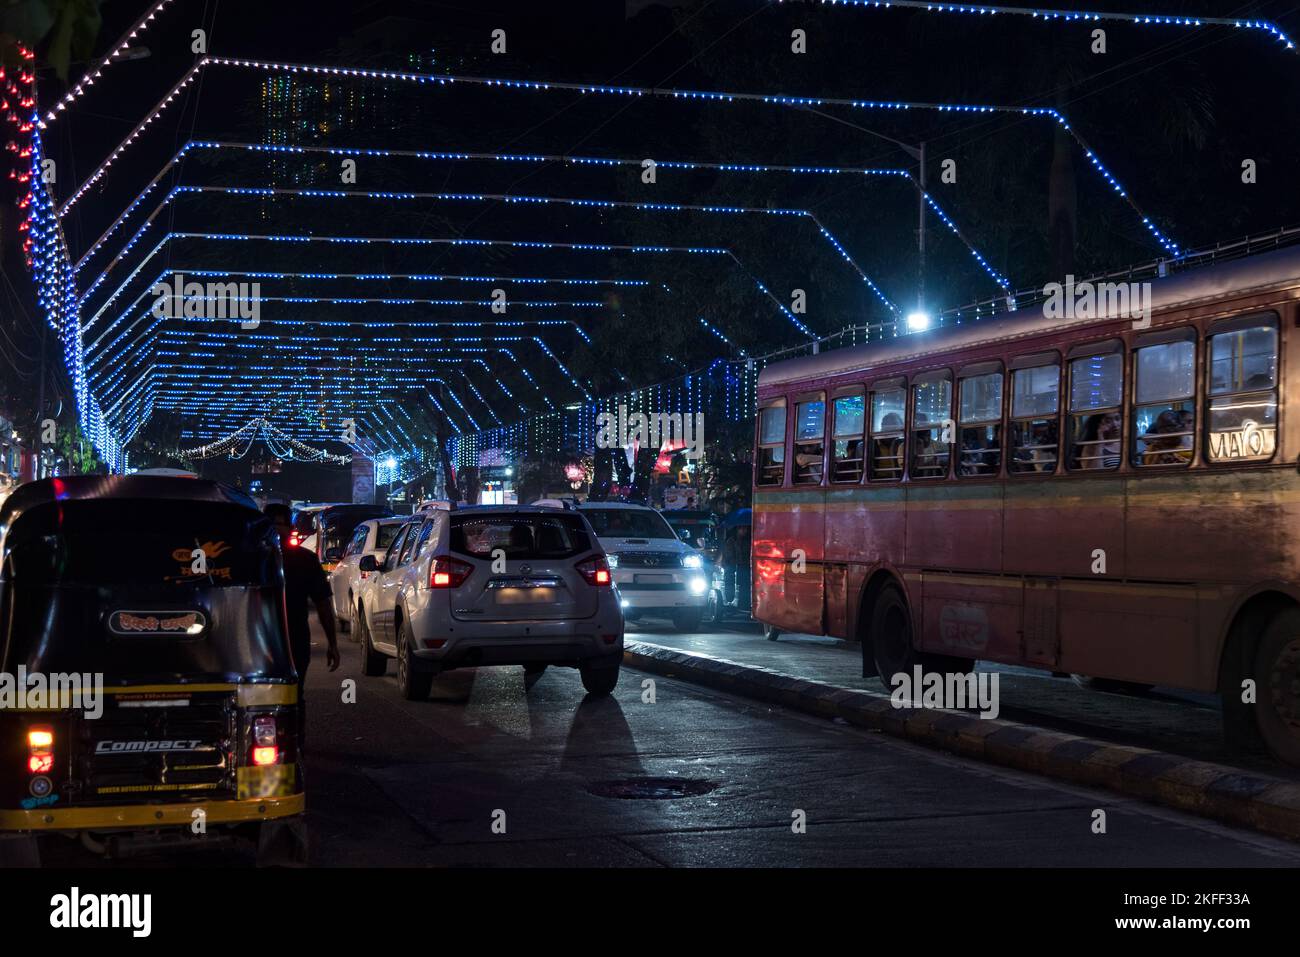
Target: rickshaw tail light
(266,755)
(264,730)
(40,746)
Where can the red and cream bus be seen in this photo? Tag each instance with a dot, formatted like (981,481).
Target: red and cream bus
(1084,496)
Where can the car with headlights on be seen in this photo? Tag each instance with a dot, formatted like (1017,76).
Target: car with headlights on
(656,573)
(491,585)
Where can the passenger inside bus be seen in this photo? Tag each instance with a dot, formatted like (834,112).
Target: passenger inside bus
(848,460)
(980,451)
(1035,448)
(887,450)
(1169,440)
(929,455)
(1098,446)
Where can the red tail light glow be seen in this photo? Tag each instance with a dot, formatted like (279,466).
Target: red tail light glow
(595,571)
(40,746)
(447,572)
(265,748)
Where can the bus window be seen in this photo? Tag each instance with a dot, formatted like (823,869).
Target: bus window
(771,444)
(1164,415)
(980,418)
(847,426)
(1243,392)
(931,409)
(1035,423)
(809,440)
(1096,394)
(887,435)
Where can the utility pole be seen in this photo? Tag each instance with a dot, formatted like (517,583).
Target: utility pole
(920,230)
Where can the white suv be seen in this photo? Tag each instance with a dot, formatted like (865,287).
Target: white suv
(372,537)
(491,585)
(655,571)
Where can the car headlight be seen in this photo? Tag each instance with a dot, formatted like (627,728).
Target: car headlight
(612,561)
(698,585)
(692,561)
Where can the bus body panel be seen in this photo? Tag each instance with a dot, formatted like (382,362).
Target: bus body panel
(1134,574)
(955,525)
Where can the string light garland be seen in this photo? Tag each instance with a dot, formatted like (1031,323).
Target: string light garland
(415,351)
(625,91)
(1095,16)
(398,241)
(1167,244)
(535,158)
(262,428)
(514,199)
(438,241)
(94,72)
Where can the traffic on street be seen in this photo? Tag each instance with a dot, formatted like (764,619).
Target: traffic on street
(840,442)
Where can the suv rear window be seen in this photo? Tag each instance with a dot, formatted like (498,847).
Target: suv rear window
(519,536)
(628,523)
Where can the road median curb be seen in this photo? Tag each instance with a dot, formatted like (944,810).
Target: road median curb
(1241,798)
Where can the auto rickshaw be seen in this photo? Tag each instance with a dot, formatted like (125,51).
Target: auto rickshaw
(151,694)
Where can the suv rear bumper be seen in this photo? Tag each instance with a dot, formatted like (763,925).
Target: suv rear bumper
(543,646)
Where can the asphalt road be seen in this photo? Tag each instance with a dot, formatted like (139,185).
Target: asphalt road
(421,784)
(393,782)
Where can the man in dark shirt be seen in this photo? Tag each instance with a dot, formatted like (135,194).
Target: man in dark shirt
(304,580)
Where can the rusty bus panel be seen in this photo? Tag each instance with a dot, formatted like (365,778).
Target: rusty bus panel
(970,616)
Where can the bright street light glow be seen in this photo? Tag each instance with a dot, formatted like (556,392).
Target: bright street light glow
(918,321)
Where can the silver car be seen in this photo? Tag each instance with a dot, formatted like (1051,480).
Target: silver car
(491,585)
(372,537)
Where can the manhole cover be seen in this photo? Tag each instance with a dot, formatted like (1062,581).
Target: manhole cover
(652,789)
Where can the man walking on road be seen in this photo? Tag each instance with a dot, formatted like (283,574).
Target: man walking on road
(303,579)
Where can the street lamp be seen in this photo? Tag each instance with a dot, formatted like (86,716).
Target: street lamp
(918,321)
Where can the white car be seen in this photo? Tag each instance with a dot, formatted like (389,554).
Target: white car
(372,537)
(491,585)
(655,571)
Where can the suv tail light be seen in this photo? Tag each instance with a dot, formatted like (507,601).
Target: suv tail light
(40,747)
(595,571)
(447,572)
(265,748)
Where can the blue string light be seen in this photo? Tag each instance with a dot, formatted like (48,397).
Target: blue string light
(505,198)
(622,91)
(1094,16)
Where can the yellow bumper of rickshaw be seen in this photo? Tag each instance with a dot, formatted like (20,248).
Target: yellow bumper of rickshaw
(143,816)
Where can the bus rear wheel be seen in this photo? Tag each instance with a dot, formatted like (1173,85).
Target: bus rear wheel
(1277,677)
(893,649)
